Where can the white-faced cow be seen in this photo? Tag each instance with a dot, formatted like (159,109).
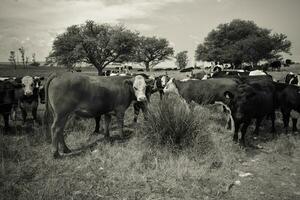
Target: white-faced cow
(29,100)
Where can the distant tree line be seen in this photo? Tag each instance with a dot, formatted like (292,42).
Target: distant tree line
(25,59)
(236,42)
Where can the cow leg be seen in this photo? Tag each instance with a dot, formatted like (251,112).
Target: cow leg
(34,115)
(97,126)
(120,119)
(243,131)
(57,130)
(6,121)
(107,119)
(257,125)
(273,131)
(237,125)
(145,110)
(24,115)
(161,94)
(295,124)
(136,107)
(286,119)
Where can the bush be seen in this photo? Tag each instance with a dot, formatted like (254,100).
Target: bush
(35,64)
(173,123)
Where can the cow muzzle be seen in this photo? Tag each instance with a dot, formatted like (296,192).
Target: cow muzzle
(142,98)
(28,93)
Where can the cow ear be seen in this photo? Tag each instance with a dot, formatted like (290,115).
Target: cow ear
(18,79)
(149,81)
(250,94)
(129,81)
(228,95)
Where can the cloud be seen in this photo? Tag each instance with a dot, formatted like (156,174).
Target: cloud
(42,20)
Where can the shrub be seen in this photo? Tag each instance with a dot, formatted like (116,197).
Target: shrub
(173,123)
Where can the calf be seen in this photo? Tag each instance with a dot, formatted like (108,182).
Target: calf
(29,100)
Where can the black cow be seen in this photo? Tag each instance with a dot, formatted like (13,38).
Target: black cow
(90,97)
(276,65)
(252,101)
(9,92)
(230,74)
(291,78)
(289,100)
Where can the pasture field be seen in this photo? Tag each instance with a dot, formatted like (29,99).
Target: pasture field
(212,168)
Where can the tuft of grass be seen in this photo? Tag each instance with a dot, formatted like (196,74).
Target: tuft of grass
(173,123)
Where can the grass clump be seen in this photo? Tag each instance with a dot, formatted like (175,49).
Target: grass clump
(175,124)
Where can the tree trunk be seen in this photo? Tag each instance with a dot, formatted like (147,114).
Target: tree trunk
(100,69)
(147,64)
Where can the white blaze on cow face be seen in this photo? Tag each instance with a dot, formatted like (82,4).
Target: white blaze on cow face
(171,87)
(139,87)
(28,85)
(163,81)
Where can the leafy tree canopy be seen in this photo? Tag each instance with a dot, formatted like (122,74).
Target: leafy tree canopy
(242,41)
(96,44)
(152,50)
(182,59)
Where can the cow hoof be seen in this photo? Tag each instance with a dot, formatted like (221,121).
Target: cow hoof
(56,155)
(67,150)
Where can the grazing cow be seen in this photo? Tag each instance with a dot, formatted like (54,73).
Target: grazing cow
(29,100)
(276,65)
(90,97)
(292,78)
(9,92)
(199,75)
(257,73)
(203,91)
(252,101)
(289,103)
(230,74)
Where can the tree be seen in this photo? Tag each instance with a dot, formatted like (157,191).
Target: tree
(22,51)
(96,44)
(242,41)
(33,58)
(26,61)
(152,50)
(12,58)
(182,59)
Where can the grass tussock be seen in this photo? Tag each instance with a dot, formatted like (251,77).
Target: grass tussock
(175,124)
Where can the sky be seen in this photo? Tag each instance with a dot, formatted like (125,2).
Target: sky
(185,23)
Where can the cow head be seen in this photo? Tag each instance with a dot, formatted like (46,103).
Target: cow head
(164,80)
(171,87)
(241,101)
(28,85)
(9,91)
(138,84)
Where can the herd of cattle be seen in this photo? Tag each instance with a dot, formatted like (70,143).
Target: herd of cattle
(248,95)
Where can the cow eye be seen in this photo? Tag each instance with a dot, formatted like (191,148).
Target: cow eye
(135,88)
(23,85)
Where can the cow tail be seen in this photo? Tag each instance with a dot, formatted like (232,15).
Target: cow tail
(48,111)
